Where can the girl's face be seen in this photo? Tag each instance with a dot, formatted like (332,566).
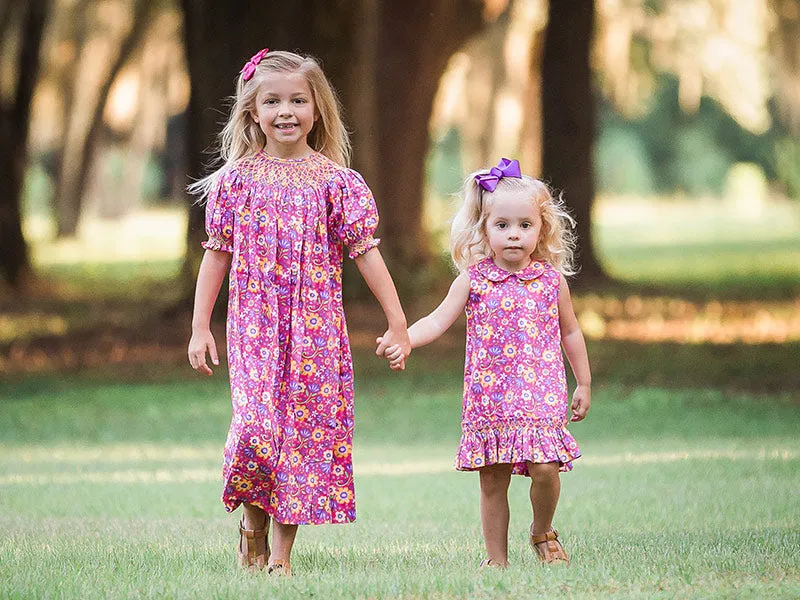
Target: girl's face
(512,228)
(286,113)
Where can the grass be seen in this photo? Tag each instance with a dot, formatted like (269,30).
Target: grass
(110,478)
(110,490)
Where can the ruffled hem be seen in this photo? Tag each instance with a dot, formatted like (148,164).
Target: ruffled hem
(517,445)
(218,244)
(362,246)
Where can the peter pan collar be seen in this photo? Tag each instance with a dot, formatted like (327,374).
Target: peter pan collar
(492,272)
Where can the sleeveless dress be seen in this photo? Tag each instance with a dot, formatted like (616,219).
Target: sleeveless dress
(515,388)
(289,448)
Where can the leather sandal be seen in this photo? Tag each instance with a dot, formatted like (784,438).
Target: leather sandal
(491,564)
(253,548)
(279,568)
(553,551)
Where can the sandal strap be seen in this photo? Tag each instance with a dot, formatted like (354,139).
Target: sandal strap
(550,536)
(253,532)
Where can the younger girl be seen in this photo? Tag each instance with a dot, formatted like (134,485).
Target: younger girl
(512,244)
(279,212)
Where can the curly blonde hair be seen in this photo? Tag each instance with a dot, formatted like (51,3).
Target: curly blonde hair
(241,136)
(469,243)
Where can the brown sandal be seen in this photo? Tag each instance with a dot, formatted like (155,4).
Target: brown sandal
(492,564)
(279,568)
(253,548)
(553,551)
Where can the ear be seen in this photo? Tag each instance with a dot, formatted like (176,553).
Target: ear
(254,116)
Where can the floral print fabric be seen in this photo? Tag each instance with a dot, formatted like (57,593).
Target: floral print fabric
(289,448)
(515,387)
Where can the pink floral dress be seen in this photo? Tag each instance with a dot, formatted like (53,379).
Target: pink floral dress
(289,448)
(515,388)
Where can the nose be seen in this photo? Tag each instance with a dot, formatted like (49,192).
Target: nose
(285,109)
(513,233)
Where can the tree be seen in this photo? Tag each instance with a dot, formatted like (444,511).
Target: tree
(417,39)
(14,120)
(82,133)
(400,71)
(568,119)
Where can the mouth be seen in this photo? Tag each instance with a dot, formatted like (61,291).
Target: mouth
(513,247)
(285,126)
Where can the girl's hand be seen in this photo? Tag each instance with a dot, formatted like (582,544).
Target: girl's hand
(581,401)
(394,354)
(202,340)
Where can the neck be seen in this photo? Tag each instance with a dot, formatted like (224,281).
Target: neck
(294,152)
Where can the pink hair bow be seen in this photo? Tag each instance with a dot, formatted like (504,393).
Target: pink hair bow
(505,168)
(250,66)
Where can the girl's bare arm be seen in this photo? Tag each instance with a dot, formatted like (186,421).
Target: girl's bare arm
(209,280)
(377,276)
(430,328)
(575,348)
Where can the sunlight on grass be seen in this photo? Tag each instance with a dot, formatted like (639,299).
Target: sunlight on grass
(361,469)
(664,319)
(153,234)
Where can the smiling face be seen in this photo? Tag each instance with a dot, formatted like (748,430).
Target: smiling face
(285,112)
(512,227)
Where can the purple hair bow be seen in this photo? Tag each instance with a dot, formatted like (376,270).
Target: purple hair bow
(505,168)
(250,66)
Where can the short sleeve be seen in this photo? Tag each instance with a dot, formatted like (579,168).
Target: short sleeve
(354,215)
(220,211)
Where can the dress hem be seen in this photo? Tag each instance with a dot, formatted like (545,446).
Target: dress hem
(517,445)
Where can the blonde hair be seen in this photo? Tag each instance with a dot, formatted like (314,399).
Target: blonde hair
(469,243)
(241,136)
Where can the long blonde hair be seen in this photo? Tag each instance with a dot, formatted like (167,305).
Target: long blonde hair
(241,136)
(469,243)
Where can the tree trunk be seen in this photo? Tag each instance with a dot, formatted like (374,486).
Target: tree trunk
(417,38)
(14,121)
(78,149)
(568,119)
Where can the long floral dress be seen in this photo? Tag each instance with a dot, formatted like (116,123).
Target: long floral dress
(515,388)
(289,448)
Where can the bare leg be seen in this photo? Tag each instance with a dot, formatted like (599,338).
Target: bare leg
(545,490)
(282,541)
(494,511)
(254,517)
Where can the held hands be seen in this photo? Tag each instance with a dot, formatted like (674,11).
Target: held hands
(202,341)
(581,401)
(395,347)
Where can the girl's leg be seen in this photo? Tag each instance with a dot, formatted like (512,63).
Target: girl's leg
(545,490)
(254,517)
(282,541)
(494,511)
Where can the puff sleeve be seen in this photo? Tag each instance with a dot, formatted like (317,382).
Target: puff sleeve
(220,211)
(354,215)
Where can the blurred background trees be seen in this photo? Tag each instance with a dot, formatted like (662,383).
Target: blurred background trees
(645,98)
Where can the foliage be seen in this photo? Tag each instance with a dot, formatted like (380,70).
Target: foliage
(668,151)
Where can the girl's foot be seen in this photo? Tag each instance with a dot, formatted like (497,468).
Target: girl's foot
(279,568)
(253,551)
(547,547)
(491,563)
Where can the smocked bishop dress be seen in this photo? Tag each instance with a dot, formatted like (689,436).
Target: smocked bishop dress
(289,448)
(515,388)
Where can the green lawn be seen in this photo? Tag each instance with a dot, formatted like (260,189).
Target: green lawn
(110,490)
